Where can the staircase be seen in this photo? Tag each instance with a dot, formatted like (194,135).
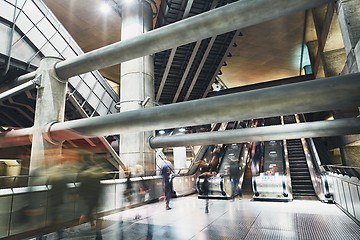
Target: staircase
(302,186)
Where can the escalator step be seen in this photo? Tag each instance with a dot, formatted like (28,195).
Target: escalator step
(298,164)
(303,186)
(304,193)
(300,178)
(303,174)
(302,155)
(294,161)
(299,170)
(303,190)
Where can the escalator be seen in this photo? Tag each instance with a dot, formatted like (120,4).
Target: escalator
(183,182)
(220,184)
(297,173)
(272,183)
(300,177)
(302,185)
(246,185)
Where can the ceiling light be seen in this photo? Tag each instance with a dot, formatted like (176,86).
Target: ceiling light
(104,8)
(129,1)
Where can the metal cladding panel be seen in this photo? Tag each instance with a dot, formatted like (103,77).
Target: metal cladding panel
(355,199)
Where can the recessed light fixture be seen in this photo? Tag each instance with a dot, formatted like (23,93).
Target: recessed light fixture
(104,8)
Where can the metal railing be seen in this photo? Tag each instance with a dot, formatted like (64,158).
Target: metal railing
(25,211)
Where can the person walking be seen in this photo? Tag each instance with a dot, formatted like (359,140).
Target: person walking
(215,160)
(166,171)
(204,184)
(234,178)
(257,155)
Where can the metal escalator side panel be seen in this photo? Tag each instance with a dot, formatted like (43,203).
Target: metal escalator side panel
(319,180)
(272,184)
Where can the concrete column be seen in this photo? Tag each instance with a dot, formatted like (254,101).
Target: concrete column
(348,12)
(349,19)
(50,107)
(136,84)
(335,61)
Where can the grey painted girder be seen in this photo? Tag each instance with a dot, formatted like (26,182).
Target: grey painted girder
(304,97)
(224,19)
(278,132)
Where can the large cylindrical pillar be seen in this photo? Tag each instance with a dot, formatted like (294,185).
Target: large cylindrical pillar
(136,84)
(50,107)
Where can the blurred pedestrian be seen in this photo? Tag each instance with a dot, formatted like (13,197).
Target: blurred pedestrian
(215,160)
(205,192)
(57,184)
(257,156)
(129,191)
(234,178)
(203,182)
(166,171)
(90,190)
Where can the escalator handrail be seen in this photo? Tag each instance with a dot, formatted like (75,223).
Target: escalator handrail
(344,170)
(319,175)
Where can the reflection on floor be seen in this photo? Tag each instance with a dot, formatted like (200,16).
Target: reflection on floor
(239,219)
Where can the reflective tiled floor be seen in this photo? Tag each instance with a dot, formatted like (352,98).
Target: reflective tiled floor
(239,219)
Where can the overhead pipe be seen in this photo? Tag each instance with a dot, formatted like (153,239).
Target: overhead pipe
(278,132)
(221,20)
(303,97)
(107,145)
(14,138)
(25,78)
(15,90)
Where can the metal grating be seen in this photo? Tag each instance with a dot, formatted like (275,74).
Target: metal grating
(324,227)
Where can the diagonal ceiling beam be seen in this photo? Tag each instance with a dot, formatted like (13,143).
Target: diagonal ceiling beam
(187,70)
(322,32)
(237,33)
(198,71)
